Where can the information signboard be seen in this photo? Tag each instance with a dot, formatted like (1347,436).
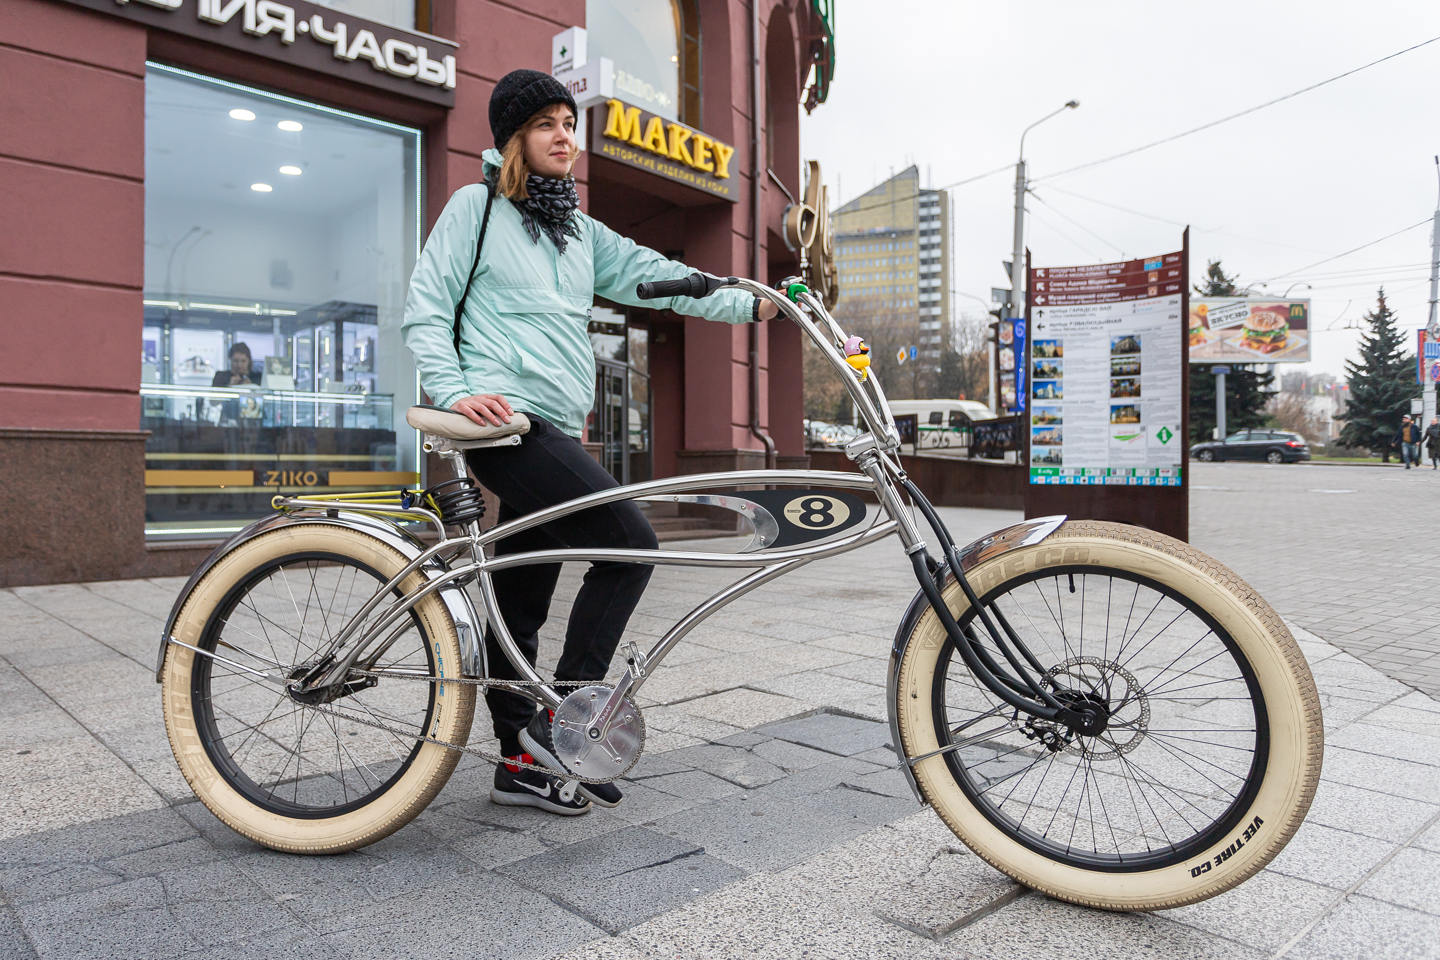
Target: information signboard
(1106,367)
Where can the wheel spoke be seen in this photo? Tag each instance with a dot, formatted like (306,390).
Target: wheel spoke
(1176,756)
(282,754)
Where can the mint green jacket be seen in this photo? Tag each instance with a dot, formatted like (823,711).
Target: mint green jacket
(524,330)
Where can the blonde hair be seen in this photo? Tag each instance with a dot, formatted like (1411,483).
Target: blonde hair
(513,168)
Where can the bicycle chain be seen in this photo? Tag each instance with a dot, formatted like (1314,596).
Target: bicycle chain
(473,751)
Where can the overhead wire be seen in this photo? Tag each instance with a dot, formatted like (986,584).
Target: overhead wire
(1235,116)
(1363,246)
(1062,215)
(915,199)
(1046,222)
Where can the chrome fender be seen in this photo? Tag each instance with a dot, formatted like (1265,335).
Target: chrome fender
(457,602)
(988,547)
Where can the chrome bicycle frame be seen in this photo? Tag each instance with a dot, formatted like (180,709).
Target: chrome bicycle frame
(364,638)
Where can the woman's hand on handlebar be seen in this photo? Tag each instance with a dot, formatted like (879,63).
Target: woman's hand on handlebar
(768,310)
(486,409)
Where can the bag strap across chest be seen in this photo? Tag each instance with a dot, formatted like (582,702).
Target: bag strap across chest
(470,279)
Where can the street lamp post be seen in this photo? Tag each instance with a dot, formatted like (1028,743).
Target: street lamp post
(1017,264)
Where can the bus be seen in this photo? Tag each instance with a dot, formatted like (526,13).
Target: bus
(943,424)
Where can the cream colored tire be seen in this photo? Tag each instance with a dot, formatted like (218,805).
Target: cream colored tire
(218,603)
(1286,780)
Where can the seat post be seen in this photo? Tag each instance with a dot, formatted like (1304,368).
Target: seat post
(456,459)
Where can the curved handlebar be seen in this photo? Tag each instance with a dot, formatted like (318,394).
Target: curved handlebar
(696,285)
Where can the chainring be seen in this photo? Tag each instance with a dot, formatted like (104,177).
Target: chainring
(605,758)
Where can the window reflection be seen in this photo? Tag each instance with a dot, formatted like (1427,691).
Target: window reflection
(279,237)
(642,37)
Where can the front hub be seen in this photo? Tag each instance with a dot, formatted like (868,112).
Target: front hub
(1110,714)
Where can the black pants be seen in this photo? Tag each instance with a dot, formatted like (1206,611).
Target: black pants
(550,467)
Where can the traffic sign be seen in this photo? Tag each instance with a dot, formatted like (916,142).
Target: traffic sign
(1220,371)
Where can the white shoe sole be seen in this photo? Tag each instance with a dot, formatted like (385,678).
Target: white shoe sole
(534,800)
(546,759)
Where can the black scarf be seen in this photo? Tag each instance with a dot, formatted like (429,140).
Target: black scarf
(549,209)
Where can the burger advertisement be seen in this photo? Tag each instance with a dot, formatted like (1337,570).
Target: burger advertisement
(1249,330)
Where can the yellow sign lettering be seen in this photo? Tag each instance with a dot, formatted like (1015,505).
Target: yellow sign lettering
(623,123)
(702,153)
(669,148)
(655,137)
(678,148)
(722,160)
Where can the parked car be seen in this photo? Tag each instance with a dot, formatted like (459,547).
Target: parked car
(819,433)
(1272,446)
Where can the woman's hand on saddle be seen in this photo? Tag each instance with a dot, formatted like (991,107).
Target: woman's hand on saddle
(486,409)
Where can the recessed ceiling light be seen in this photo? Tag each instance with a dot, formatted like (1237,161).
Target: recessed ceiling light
(293,126)
(261,187)
(240,113)
(290,170)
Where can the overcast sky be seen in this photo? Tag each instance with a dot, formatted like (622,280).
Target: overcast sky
(949,86)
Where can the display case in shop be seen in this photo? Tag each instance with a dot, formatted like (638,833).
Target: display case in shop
(227,433)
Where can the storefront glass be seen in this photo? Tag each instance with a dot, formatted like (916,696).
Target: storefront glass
(397,13)
(279,239)
(642,37)
(620,419)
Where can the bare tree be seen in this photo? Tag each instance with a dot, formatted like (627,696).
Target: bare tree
(1292,411)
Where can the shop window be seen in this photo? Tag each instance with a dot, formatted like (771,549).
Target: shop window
(279,239)
(655,45)
(397,13)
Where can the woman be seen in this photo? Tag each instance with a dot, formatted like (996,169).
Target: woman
(524,346)
(241,372)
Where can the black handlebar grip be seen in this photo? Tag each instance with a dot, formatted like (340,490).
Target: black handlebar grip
(696,285)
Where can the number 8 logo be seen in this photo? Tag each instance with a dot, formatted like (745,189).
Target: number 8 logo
(815,512)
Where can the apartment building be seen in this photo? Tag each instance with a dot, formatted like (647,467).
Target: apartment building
(892,251)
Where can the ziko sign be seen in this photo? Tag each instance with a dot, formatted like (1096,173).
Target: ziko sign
(307,35)
(665,148)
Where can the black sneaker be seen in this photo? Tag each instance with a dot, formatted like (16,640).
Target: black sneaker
(516,786)
(536,738)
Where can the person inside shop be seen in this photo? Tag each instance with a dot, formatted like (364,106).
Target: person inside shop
(1432,443)
(524,295)
(241,370)
(240,374)
(1409,440)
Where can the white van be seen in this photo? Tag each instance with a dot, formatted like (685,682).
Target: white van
(943,424)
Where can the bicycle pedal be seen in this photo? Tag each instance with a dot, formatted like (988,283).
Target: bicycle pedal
(567,792)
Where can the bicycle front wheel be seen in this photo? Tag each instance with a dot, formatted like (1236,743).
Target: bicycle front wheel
(1213,741)
(311,777)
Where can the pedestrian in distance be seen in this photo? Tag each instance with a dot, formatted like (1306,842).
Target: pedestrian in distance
(1409,440)
(1432,442)
(520,264)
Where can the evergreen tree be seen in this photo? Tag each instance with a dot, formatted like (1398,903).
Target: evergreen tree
(1247,388)
(1218,283)
(1381,383)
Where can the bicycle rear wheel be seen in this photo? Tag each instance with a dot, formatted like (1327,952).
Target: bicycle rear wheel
(306,777)
(1213,743)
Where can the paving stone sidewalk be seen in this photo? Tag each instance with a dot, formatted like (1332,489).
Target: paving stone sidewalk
(765,820)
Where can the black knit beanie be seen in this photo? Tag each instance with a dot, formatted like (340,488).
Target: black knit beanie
(520,95)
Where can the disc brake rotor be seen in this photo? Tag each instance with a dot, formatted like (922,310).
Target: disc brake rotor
(1111,684)
(607,757)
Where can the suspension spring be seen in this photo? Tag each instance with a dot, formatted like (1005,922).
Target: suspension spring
(459,501)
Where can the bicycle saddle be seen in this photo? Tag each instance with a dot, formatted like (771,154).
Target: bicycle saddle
(454,425)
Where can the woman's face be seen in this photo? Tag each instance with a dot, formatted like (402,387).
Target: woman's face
(550,147)
(239,364)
